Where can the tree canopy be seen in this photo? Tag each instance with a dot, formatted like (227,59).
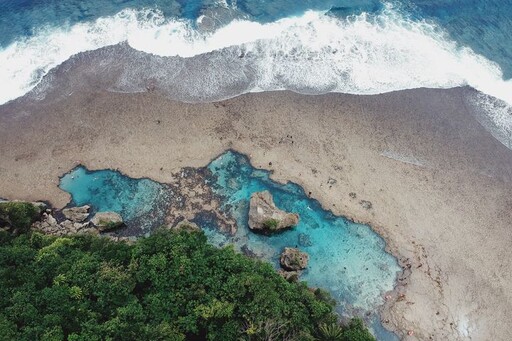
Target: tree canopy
(169,286)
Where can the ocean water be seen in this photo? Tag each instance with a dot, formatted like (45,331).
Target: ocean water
(140,202)
(314,46)
(310,46)
(347,259)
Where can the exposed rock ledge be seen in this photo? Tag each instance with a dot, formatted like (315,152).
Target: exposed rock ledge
(265,217)
(106,221)
(76,221)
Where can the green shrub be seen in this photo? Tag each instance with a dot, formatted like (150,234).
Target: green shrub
(18,215)
(330,332)
(357,331)
(271,224)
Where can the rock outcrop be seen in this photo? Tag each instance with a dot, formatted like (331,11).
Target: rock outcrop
(265,217)
(293,259)
(76,214)
(49,225)
(106,221)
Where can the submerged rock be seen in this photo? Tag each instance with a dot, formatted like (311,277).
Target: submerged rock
(76,214)
(264,216)
(293,259)
(304,240)
(186,226)
(247,251)
(106,221)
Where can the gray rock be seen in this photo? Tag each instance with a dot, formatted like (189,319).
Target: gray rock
(68,226)
(106,221)
(48,218)
(264,216)
(81,226)
(41,205)
(293,259)
(76,214)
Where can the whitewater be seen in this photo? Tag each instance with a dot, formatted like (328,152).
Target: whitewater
(368,53)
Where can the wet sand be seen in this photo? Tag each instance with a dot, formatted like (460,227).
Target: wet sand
(439,184)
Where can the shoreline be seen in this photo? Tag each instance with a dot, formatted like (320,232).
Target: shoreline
(441,217)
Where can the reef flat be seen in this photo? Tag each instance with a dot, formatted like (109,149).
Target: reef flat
(440,214)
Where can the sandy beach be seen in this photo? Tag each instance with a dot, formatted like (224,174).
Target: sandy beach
(440,185)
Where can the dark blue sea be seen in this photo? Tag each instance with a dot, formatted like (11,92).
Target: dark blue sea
(309,46)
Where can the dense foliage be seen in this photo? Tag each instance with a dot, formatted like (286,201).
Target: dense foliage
(170,286)
(18,215)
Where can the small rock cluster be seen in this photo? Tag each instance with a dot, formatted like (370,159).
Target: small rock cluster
(292,262)
(265,217)
(76,222)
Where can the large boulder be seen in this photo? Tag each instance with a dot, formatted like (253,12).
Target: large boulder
(76,214)
(293,259)
(106,221)
(264,216)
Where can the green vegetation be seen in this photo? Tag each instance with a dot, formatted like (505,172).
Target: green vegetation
(18,215)
(169,286)
(271,224)
(355,331)
(331,332)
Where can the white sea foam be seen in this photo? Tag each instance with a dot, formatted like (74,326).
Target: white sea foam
(364,54)
(494,114)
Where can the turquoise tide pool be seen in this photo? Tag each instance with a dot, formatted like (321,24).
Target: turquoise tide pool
(346,258)
(141,202)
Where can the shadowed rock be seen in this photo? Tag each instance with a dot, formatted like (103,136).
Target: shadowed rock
(106,221)
(293,259)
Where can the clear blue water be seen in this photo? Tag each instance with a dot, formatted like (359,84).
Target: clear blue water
(346,258)
(140,202)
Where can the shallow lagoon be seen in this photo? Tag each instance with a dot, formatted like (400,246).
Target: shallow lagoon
(347,259)
(141,202)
